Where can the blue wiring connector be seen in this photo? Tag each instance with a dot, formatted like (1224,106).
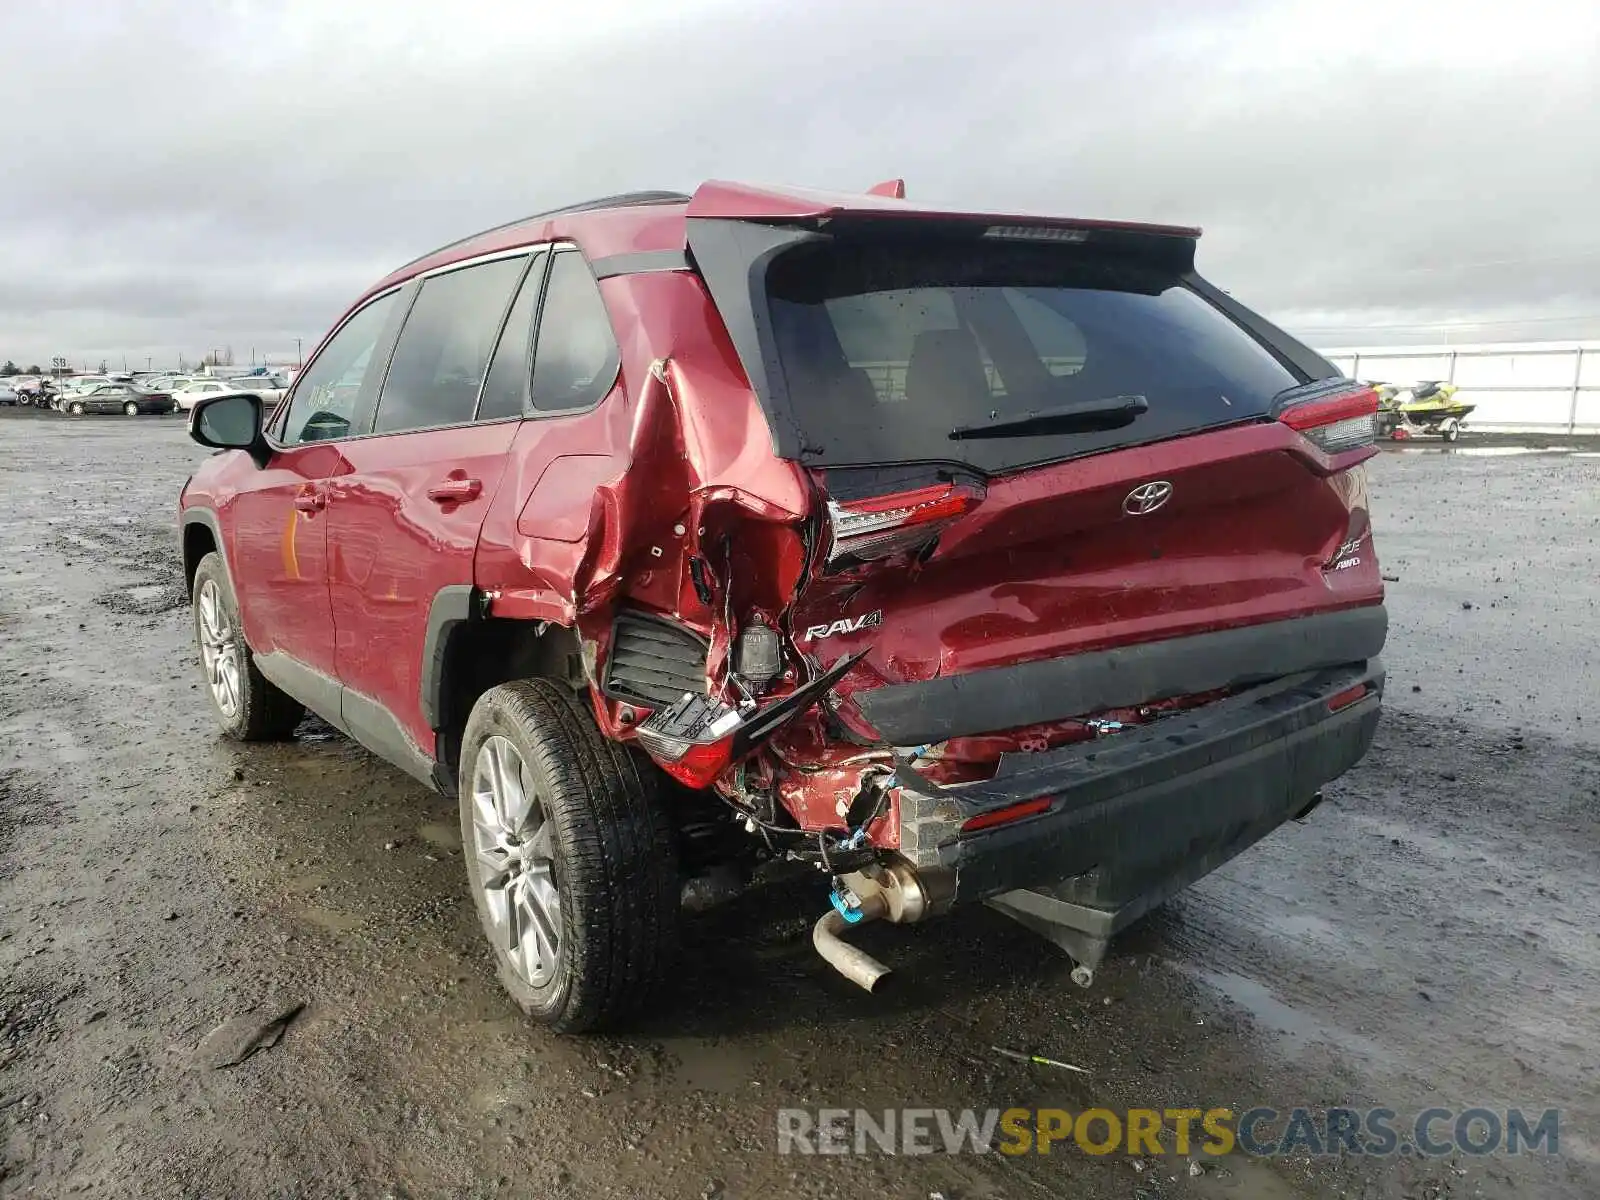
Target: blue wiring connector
(846,902)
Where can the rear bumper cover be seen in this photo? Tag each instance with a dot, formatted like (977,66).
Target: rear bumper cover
(1054,689)
(1135,817)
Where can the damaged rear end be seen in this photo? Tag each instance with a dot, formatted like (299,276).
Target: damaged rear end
(975,558)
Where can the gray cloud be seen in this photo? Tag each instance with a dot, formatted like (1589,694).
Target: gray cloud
(1361,169)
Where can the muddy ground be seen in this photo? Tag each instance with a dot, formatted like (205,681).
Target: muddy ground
(1428,937)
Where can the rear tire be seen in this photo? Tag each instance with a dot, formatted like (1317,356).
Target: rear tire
(249,706)
(593,822)
(131,409)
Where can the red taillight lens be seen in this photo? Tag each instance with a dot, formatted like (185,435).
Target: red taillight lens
(865,530)
(1347,421)
(699,765)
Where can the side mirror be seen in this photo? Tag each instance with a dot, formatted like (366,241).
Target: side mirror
(231,423)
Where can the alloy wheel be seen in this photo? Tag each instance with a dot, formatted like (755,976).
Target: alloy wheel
(219,649)
(513,839)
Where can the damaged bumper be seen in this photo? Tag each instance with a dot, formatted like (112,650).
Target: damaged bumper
(1114,827)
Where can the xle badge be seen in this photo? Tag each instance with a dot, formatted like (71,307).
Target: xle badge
(869,620)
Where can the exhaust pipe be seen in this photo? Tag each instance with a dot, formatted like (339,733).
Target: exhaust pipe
(859,967)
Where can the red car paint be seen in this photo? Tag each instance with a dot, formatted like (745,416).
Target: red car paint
(337,549)
(277,531)
(398,531)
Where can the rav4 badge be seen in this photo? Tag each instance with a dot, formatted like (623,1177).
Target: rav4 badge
(869,620)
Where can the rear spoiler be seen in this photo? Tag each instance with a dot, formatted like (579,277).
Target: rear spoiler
(719,200)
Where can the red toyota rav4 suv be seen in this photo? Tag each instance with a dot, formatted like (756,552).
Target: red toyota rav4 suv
(966,557)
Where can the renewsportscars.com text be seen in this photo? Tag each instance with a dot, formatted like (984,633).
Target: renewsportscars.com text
(1258,1132)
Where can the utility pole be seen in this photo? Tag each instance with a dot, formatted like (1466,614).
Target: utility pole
(299,359)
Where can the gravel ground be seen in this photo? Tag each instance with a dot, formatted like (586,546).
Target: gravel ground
(1428,937)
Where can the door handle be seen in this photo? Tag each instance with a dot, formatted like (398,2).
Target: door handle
(455,491)
(311,502)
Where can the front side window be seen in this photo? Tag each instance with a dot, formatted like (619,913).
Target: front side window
(324,404)
(444,347)
(575,362)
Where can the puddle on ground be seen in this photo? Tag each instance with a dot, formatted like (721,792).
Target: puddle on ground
(331,919)
(1304,926)
(446,837)
(710,1066)
(1283,1019)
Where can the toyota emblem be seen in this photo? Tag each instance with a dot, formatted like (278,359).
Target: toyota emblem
(1147,497)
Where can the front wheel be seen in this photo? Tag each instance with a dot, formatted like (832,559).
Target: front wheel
(131,409)
(249,706)
(75,408)
(570,857)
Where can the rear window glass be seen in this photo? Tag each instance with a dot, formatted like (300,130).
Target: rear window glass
(888,349)
(575,360)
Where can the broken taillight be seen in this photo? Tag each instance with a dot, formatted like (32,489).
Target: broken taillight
(883,526)
(1347,421)
(692,738)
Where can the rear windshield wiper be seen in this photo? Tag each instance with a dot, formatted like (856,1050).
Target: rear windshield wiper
(1088,416)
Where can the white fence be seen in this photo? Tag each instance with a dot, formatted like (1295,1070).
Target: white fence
(1536,387)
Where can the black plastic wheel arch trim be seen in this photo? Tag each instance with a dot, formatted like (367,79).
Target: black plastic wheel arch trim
(451,607)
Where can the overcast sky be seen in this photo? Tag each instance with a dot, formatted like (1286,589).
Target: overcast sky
(182,176)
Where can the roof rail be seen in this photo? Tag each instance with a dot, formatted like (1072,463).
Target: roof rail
(621,200)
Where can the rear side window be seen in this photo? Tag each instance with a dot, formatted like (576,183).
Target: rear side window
(576,360)
(444,347)
(326,395)
(887,349)
(505,391)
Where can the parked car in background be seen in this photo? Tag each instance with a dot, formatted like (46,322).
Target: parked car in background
(269,387)
(168,383)
(964,557)
(76,384)
(8,394)
(117,398)
(192,390)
